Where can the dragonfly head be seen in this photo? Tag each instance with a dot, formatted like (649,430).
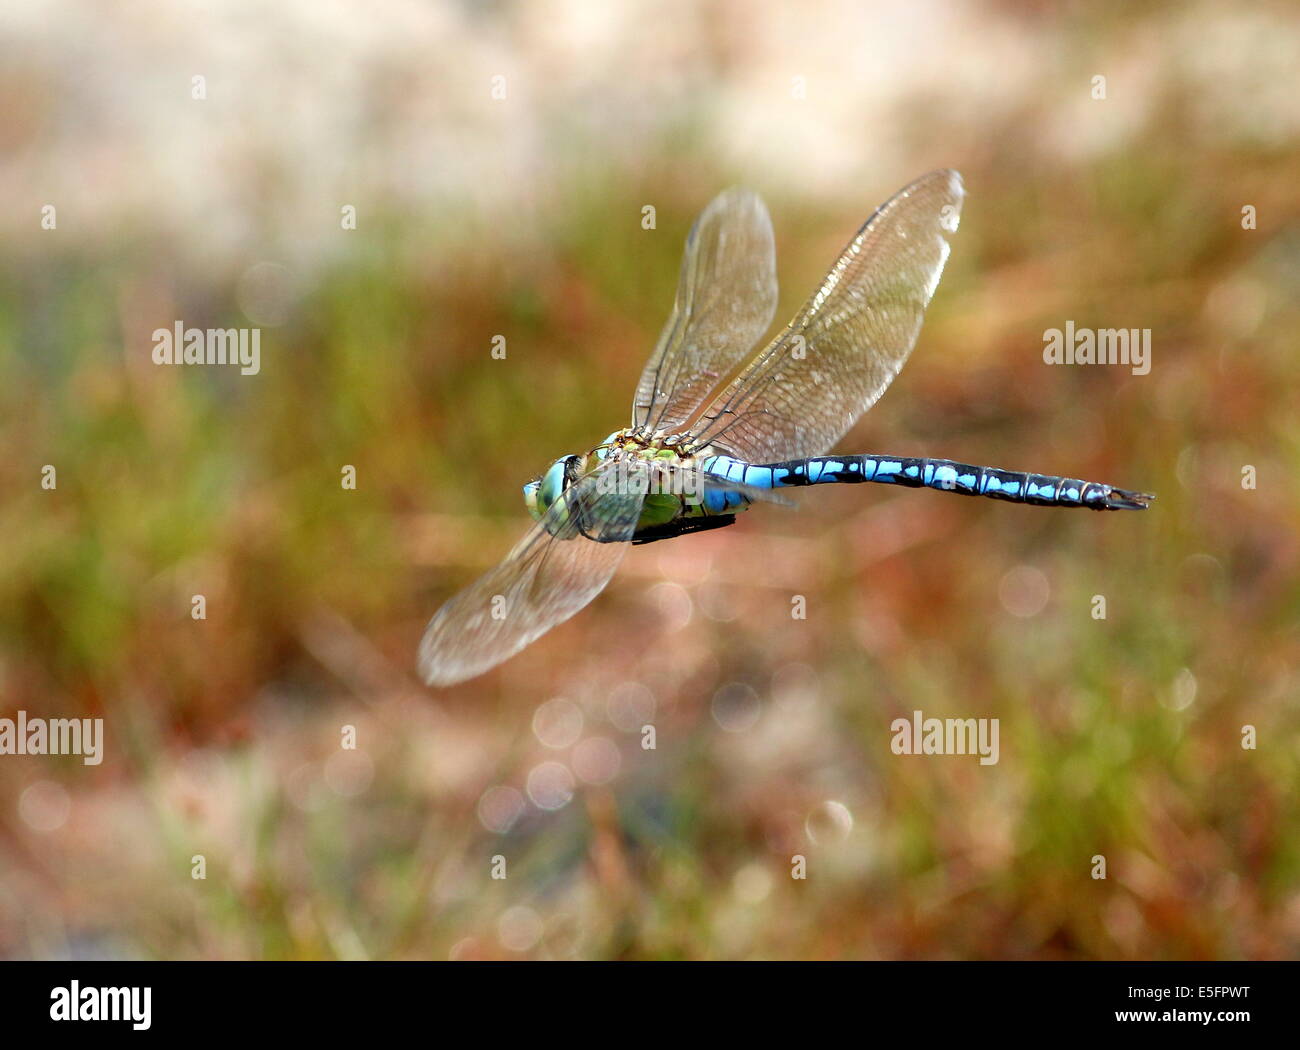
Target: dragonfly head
(541,492)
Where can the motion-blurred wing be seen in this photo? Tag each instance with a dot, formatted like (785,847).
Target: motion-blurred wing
(726,296)
(800,394)
(562,564)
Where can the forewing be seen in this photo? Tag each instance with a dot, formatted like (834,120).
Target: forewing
(563,562)
(811,383)
(726,296)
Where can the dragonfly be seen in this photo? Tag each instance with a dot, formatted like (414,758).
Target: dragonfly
(717,426)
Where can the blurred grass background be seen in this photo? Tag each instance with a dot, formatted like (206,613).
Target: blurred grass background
(521,217)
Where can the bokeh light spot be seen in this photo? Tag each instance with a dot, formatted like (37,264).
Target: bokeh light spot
(829,822)
(499,807)
(597,760)
(751,884)
(674,604)
(519,928)
(44,806)
(630,706)
(1182,691)
(266,294)
(550,785)
(1024,591)
(736,707)
(557,723)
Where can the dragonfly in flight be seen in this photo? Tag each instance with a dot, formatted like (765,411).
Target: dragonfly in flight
(717,425)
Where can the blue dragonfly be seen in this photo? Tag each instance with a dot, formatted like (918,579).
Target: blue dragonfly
(717,426)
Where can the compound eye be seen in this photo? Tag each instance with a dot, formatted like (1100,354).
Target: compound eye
(530,497)
(554,481)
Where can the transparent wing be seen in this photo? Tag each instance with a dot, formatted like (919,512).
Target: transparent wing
(726,296)
(562,564)
(693,479)
(800,394)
